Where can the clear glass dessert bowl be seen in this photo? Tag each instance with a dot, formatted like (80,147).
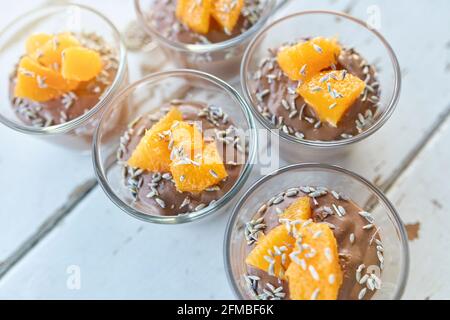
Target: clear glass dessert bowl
(221,59)
(53,19)
(360,191)
(351,33)
(146,97)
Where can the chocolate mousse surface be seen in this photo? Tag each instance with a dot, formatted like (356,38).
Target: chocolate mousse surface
(73,104)
(162,17)
(284,108)
(357,239)
(156,190)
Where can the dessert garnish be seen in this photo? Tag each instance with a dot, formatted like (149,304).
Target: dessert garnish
(152,152)
(305,59)
(317,89)
(198,174)
(227,12)
(174,160)
(61,77)
(204,21)
(54,65)
(310,243)
(80,64)
(262,256)
(178,147)
(331,94)
(314,270)
(197,14)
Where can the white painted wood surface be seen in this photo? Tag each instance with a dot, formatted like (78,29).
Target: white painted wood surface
(421,194)
(122,258)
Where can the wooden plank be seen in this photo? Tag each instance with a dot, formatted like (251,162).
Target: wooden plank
(123,258)
(421,196)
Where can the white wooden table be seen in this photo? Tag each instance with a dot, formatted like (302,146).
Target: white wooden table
(66,225)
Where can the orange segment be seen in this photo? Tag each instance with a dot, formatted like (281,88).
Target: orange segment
(39,83)
(227,12)
(315,272)
(188,138)
(27,88)
(152,152)
(168,120)
(331,94)
(195,14)
(305,59)
(266,251)
(44,76)
(196,175)
(299,210)
(36,42)
(50,54)
(81,64)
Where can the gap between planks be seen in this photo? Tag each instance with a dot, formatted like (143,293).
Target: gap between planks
(443,117)
(82,191)
(75,198)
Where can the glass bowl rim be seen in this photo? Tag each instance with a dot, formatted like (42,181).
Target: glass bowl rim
(107,95)
(193,216)
(205,48)
(312,143)
(335,169)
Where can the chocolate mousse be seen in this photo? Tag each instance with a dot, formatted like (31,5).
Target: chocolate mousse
(163,17)
(65,104)
(159,190)
(289,103)
(359,248)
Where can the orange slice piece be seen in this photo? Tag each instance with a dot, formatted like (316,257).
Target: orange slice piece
(196,14)
(36,42)
(266,251)
(152,153)
(315,272)
(197,175)
(227,12)
(331,94)
(188,138)
(44,76)
(81,64)
(27,87)
(305,59)
(39,83)
(50,54)
(166,122)
(298,210)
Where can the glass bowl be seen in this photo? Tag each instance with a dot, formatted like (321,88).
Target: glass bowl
(147,96)
(220,59)
(358,189)
(77,133)
(351,32)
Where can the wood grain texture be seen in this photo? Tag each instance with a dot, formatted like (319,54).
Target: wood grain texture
(421,196)
(123,258)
